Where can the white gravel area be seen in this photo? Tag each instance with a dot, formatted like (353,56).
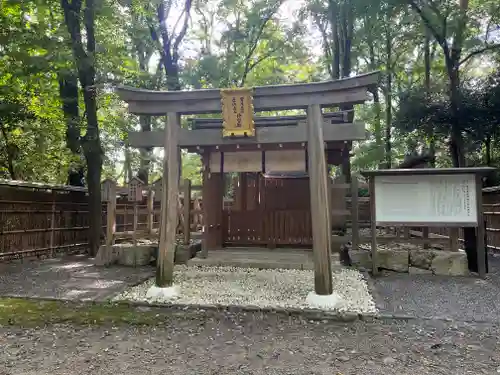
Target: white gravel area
(253,287)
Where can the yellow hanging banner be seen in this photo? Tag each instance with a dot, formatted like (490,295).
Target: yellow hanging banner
(237,112)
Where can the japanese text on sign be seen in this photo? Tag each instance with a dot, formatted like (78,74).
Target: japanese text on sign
(237,112)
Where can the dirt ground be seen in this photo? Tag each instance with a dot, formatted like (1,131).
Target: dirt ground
(253,344)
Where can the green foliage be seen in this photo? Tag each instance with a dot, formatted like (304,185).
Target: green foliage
(191,168)
(254,48)
(429,114)
(32,127)
(248,43)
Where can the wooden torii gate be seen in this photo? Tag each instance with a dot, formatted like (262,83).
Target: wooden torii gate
(315,132)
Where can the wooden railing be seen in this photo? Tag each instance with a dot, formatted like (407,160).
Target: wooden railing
(142,219)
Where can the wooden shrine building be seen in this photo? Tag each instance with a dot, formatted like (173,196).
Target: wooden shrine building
(282,194)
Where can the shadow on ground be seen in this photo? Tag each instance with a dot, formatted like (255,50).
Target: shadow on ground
(428,296)
(421,296)
(68,278)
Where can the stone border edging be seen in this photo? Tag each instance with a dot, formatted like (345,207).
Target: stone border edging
(311,314)
(314,314)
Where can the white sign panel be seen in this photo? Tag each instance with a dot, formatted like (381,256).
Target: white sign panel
(426,199)
(241,161)
(285,161)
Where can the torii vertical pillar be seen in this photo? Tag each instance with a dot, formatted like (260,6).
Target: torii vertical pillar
(318,184)
(169,203)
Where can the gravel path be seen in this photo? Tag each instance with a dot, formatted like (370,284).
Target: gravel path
(70,278)
(264,288)
(429,296)
(254,344)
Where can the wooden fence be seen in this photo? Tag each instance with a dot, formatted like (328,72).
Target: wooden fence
(37,219)
(141,219)
(125,215)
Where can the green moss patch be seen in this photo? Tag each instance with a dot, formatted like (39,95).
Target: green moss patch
(31,312)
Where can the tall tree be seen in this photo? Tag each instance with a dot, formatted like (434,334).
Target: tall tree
(78,13)
(451,25)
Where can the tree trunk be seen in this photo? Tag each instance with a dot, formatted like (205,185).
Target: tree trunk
(94,164)
(68,93)
(145,153)
(347,31)
(93,152)
(388,97)
(487,151)
(127,166)
(334,21)
(456,139)
(377,126)
(91,144)
(10,151)
(452,66)
(427,86)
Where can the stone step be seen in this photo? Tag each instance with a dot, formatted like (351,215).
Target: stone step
(262,260)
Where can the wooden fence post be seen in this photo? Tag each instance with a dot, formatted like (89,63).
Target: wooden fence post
(425,235)
(354,213)
(135,222)
(373,217)
(454,234)
(110,225)
(135,187)
(206,206)
(108,194)
(187,211)
(480,231)
(52,224)
(150,210)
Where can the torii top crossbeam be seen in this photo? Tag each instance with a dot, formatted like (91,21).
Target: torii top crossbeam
(352,90)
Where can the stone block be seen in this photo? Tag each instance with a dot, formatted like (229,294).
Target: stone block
(182,254)
(421,258)
(419,271)
(361,258)
(393,260)
(450,263)
(108,256)
(134,255)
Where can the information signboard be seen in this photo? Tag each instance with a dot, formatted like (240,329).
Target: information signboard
(430,199)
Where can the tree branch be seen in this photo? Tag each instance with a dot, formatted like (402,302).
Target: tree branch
(71,13)
(441,39)
(262,58)
(479,52)
(322,30)
(182,33)
(255,42)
